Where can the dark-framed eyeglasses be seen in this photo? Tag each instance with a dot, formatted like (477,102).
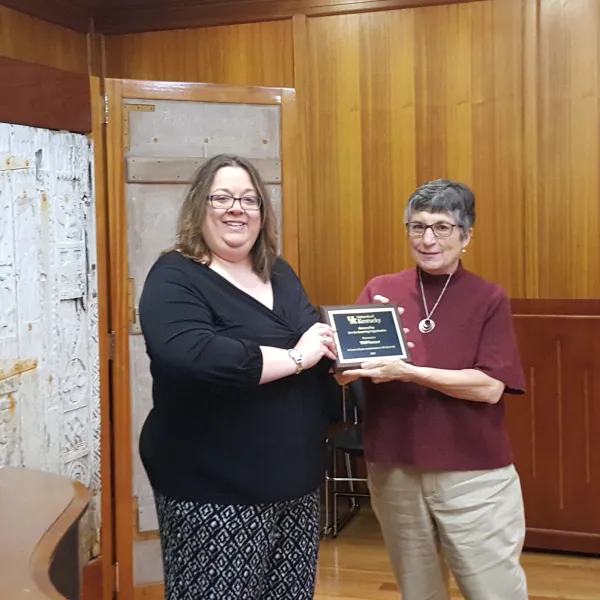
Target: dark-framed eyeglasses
(440,230)
(225,202)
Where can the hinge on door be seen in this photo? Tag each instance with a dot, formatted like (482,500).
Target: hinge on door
(111,345)
(105,108)
(131,300)
(116,575)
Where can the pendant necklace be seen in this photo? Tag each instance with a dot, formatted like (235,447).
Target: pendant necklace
(428,324)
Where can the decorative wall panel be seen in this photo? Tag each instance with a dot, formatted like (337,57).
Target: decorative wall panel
(49,363)
(555,427)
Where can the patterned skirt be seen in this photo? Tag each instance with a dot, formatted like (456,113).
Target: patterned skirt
(239,552)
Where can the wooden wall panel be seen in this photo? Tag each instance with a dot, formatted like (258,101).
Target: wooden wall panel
(555,427)
(253,54)
(502,94)
(396,99)
(45,97)
(32,40)
(332,250)
(387,138)
(469,123)
(566,228)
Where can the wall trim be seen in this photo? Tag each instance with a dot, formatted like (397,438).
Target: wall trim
(160,16)
(45,97)
(553,307)
(71,15)
(543,540)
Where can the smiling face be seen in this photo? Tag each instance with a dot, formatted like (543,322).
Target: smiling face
(436,255)
(231,233)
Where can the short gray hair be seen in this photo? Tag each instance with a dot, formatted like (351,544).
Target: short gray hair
(444,196)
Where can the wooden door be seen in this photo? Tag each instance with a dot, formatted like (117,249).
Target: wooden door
(157,135)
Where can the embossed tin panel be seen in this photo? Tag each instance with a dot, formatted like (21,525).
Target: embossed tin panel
(49,364)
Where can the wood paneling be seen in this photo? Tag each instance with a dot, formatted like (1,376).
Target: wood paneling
(300,33)
(292,156)
(548,307)
(152,15)
(469,125)
(30,39)
(501,94)
(396,99)
(253,54)
(555,427)
(60,12)
(105,591)
(119,320)
(40,96)
(332,246)
(565,229)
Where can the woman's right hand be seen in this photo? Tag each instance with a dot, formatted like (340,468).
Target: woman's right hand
(317,342)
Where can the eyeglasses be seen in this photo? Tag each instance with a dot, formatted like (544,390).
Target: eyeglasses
(440,230)
(225,202)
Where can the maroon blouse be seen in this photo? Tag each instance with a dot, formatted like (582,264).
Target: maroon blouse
(410,425)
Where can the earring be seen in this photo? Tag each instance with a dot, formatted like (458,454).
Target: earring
(464,249)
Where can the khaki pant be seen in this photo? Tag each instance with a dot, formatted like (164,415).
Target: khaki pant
(473,519)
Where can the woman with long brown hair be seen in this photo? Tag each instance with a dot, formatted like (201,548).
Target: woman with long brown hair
(234,445)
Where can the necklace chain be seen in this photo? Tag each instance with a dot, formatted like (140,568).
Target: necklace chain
(427,313)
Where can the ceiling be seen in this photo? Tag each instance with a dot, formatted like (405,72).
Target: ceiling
(132,16)
(128,16)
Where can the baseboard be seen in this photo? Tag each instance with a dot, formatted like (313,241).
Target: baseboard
(562,541)
(150,592)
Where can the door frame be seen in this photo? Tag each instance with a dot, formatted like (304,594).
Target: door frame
(106,577)
(292,156)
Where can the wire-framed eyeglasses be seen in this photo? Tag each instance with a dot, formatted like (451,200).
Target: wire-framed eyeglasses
(441,229)
(225,202)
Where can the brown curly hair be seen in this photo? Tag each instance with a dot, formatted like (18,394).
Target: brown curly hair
(190,241)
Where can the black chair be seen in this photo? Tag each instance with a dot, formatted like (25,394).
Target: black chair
(346,444)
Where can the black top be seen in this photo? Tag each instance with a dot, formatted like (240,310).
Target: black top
(214,434)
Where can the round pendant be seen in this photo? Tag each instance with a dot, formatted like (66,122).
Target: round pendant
(426,325)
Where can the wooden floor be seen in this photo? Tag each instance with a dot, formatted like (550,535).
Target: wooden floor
(355,566)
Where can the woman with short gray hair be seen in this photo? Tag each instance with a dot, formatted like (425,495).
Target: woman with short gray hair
(440,468)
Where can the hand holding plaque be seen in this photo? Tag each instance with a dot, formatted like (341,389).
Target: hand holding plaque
(366,332)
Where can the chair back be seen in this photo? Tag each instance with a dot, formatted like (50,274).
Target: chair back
(354,401)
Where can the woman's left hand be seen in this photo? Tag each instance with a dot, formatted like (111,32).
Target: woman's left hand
(382,371)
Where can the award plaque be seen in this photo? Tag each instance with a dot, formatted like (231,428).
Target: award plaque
(366,332)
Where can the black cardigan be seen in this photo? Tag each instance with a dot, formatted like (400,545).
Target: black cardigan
(214,434)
